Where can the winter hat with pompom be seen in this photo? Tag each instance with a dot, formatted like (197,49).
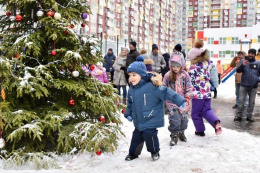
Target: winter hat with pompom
(138,67)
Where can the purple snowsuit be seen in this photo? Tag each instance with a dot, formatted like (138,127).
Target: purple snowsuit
(201,102)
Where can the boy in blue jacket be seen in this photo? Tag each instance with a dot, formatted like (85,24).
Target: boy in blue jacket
(145,107)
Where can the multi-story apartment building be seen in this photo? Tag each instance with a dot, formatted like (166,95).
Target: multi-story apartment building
(145,21)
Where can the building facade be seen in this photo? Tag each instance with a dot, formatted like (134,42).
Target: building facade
(224,43)
(144,21)
(221,14)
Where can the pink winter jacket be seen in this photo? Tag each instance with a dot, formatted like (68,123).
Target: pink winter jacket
(182,85)
(100,74)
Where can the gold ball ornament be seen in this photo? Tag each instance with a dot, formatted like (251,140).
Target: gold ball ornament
(3,95)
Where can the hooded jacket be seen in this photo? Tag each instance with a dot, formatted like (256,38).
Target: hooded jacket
(109,61)
(159,62)
(234,63)
(250,73)
(214,75)
(119,75)
(166,57)
(145,104)
(100,74)
(181,86)
(199,72)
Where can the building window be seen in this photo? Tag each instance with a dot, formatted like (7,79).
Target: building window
(243,22)
(210,53)
(222,40)
(234,40)
(222,54)
(233,53)
(210,40)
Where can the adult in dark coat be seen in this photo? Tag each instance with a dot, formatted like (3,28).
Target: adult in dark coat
(109,61)
(166,57)
(131,56)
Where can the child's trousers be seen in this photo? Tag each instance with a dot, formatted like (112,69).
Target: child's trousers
(149,136)
(177,121)
(201,108)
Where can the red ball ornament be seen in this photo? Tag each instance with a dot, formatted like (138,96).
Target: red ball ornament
(50,13)
(83,25)
(92,67)
(71,102)
(16,56)
(123,111)
(98,152)
(102,119)
(72,26)
(66,32)
(18,18)
(53,53)
(8,13)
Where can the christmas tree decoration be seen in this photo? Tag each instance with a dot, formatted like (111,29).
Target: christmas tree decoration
(40,13)
(102,118)
(98,152)
(50,13)
(53,53)
(8,13)
(12,18)
(42,116)
(71,102)
(3,93)
(83,25)
(66,32)
(16,56)
(57,16)
(84,15)
(2,143)
(75,73)
(18,18)
(123,111)
(92,67)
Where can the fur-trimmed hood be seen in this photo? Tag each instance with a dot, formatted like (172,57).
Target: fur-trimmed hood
(148,61)
(201,58)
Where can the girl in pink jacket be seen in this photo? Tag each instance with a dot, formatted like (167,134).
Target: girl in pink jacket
(99,73)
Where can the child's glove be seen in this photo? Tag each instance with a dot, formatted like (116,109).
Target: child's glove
(129,118)
(183,105)
(157,79)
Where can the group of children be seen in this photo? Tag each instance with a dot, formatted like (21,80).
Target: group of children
(148,93)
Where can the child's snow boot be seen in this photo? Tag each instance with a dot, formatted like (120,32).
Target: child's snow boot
(155,156)
(130,157)
(199,133)
(182,136)
(174,138)
(217,127)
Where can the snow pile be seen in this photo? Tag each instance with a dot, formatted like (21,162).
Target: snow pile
(230,152)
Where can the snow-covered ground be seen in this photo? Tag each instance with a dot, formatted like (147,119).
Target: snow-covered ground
(231,152)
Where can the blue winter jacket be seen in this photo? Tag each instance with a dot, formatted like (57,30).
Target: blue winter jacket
(146,104)
(109,61)
(250,73)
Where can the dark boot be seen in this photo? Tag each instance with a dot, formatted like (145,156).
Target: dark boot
(237,118)
(155,156)
(250,119)
(174,139)
(182,136)
(130,157)
(200,134)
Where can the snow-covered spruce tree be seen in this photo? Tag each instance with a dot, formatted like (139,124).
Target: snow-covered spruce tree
(49,103)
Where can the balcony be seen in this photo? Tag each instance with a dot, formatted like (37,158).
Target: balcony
(215,18)
(215,2)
